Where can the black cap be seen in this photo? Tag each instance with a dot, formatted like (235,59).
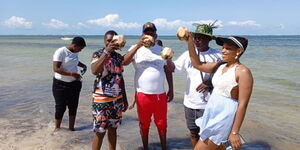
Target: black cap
(149,25)
(240,42)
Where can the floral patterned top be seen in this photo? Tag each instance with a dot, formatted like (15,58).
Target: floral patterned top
(109,85)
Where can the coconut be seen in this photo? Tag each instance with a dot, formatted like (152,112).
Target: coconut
(148,41)
(120,40)
(182,33)
(167,53)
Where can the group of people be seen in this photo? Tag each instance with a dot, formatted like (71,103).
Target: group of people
(218,87)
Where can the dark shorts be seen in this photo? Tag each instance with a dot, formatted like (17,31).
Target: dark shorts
(191,115)
(66,94)
(106,115)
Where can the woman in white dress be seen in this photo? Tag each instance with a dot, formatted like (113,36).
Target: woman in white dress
(226,108)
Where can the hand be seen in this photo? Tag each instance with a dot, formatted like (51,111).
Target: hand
(76,75)
(83,70)
(170,96)
(202,88)
(140,43)
(235,141)
(190,37)
(131,106)
(112,46)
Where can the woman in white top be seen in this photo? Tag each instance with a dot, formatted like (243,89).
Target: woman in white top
(226,108)
(66,82)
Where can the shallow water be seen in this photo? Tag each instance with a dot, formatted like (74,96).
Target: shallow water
(27,105)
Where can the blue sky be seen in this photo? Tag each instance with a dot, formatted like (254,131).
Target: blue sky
(94,17)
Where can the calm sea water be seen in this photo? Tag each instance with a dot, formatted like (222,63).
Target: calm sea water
(26,80)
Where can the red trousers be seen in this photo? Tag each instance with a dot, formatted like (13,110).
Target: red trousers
(152,104)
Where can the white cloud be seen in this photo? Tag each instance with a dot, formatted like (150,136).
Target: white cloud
(56,24)
(17,22)
(244,23)
(165,24)
(281,26)
(127,25)
(81,25)
(112,20)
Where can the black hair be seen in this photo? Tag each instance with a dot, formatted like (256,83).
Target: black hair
(244,42)
(79,41)
(159,42)
(110,32)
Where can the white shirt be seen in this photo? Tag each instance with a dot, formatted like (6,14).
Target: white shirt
(149,70)
(192,98)
(69,62)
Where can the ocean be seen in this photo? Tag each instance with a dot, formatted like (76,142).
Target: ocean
(27,105)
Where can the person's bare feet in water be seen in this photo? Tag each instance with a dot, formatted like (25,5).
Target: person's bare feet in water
(71,123)
(56,129)
(72,129)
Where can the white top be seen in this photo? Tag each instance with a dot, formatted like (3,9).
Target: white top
(149,74)
(223,83)
(192,98)
(69,62)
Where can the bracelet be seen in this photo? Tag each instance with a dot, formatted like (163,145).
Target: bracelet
(234,133)
(106,52)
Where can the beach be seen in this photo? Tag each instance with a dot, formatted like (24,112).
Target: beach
(27,105)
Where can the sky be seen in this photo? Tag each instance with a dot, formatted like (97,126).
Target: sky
(95,17)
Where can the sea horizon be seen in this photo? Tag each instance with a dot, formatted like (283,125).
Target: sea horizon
(167,35)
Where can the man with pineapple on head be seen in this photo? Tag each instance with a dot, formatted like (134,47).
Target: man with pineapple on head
(198,88)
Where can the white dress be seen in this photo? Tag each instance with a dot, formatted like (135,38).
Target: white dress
(220,110)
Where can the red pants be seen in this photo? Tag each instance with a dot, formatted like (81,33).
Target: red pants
(148,104)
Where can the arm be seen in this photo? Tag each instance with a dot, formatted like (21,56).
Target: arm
(170,67)
(245,83)
(178,64)
(128,57)
(97,65)
(56,68)
(169,77)
(202,66)
(124,95)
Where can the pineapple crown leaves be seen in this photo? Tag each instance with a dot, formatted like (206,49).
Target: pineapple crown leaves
(205,28)
(209,25)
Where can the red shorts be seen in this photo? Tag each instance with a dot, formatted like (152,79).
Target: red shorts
(152,104)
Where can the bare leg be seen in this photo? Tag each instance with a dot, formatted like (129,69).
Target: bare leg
(72,122)
(163,141)
(97,141)
(112,138)
(206,145)
(57,124)
(194,139)
(145,142)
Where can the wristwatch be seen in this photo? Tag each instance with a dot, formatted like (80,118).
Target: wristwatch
(234,133)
